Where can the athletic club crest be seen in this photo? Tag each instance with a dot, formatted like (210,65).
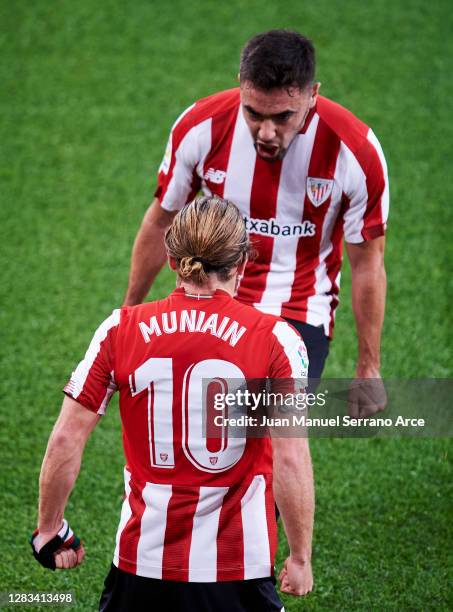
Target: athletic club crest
(163,456)
(213,460)
(318,190)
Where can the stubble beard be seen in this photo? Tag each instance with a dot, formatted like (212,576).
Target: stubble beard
(283,151)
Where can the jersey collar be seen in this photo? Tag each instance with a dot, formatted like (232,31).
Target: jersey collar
(310,116)
(218,293)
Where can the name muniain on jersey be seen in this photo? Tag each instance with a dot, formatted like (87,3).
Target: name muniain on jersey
(193,321)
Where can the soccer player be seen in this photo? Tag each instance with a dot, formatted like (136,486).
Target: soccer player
(197,529)
(304,172)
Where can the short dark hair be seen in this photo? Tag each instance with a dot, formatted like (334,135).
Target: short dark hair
(278,58)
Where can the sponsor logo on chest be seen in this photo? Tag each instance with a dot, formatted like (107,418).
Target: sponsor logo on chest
(270,227)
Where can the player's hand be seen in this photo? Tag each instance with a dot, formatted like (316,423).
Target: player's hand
(57,550)
(367,396)
(68,558)
(296,577)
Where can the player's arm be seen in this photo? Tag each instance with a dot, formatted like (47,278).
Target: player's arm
(59,472)
(148,253)
(365,220)
(369,284)
(294,496)
(88,393)
(292,469)
(368,302)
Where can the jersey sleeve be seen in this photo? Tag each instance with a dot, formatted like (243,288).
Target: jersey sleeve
(178,181)
(92,383)
(289,359)
(366,191)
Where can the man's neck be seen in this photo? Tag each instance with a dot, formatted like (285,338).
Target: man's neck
(208,288)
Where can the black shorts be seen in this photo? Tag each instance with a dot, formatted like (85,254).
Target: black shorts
(317,344)
(124,592)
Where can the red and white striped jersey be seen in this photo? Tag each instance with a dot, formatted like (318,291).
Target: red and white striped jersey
(196,508)
(331,182)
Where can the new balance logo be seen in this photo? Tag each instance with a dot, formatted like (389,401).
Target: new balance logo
(215,176)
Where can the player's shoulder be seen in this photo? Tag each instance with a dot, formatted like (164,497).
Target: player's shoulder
(139,312)
(349,128)
(219,102)
(272,325)
(284,341)
(212,106)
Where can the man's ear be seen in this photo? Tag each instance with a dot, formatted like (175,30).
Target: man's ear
(172,263)
(314,93)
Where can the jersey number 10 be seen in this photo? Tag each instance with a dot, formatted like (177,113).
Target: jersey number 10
(156,376)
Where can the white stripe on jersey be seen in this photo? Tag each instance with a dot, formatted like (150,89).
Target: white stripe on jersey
(80,374)
(165,164)
(371,137)
(190,154)
(291,342)
(203,548)
(204,146)
(290,209)
(150,547)
(241,166)
(126,513)
(319,303)
(256,536)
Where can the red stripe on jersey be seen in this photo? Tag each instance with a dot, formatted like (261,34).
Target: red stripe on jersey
(194,187)
(353,133)
(334,259)
(322,165)
(230,536)
(216,104)
(263,205)
(131,532)
(271,521)
(213,431)
(349,128)
(178,533)
(222,130)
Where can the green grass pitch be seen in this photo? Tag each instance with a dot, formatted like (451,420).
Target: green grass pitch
(88,92)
